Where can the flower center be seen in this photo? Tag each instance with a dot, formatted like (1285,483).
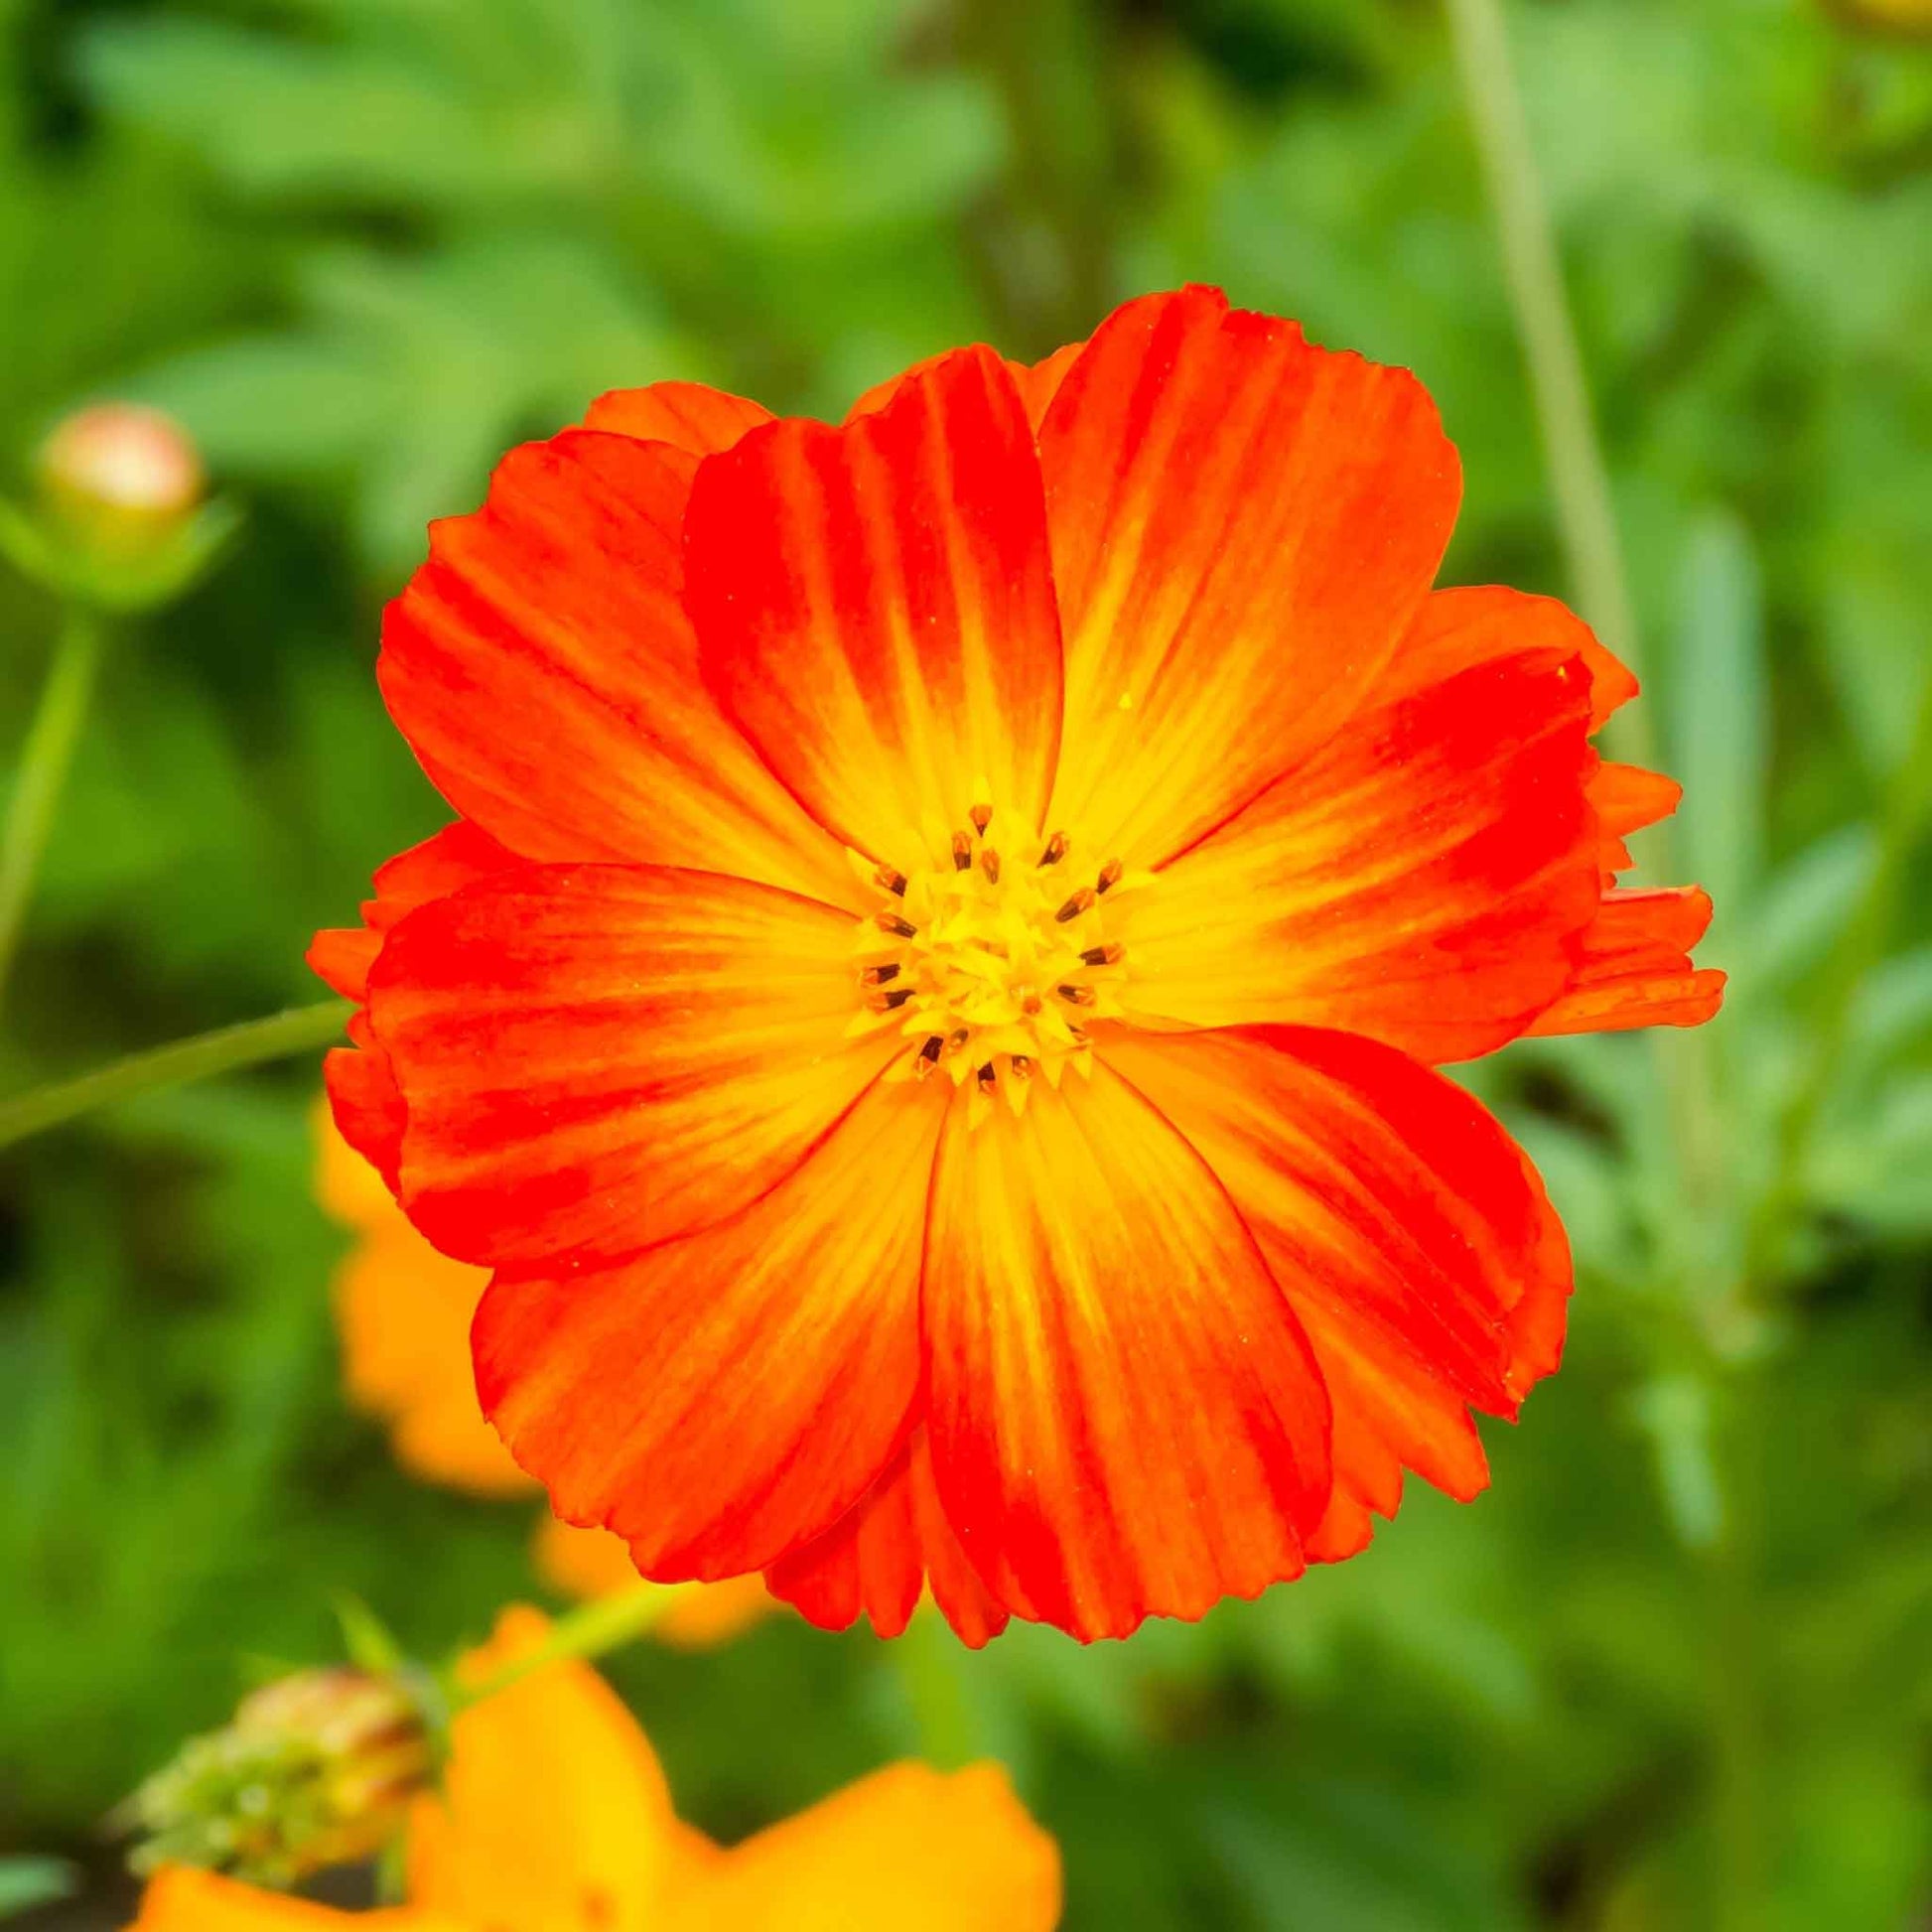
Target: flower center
(993,965)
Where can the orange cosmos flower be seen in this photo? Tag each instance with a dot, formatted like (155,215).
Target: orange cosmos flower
(930,1008)
(555,1816)
(404,1312)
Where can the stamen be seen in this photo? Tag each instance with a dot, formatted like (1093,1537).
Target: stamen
(1081,902)
(893,881)
(958,1039)
(962,852)
(1055,850)
(878,975)
(982,818)
(1022,1068)
(1077,996)
(892,1001)
(1109,875)
(898,927)
(990,865)
(1108,955)
(929,1057)
(987,1079)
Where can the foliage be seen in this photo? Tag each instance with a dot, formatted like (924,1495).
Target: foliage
(1671,1669)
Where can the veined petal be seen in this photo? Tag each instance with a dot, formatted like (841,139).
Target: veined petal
(908,1847)
(719,1400)
(878,1558)
(541,666)
(1242,526)
(553,1811)
(1636,969)
(1422,878)
(689,415)
(596,1057)
(1407,1230)
(1626,798)
(1125,1417)
(183,1899)
(1038,382)
(875,609)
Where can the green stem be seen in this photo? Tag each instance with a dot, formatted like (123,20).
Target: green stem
(605,1624)
(1578,473)
(254,1041)
(44,762)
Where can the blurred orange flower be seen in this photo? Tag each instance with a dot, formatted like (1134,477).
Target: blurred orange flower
(403,1312)
(930,1008)
(555,1817)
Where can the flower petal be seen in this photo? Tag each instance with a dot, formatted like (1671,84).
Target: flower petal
(876,1559)
(1422,878)
(875,609)
(1409,1233)
(403,1314)
(1636,969)
(718,1400)
(701,1616)
(185,1899)
(362,1090)
(1242,527)
(1125,1417)
(1626,798)
(596,1057)
(1038,382)
(687,414)
(553,1812)
(907,1847)
(541,666)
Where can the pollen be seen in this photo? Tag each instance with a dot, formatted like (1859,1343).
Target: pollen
(992,971)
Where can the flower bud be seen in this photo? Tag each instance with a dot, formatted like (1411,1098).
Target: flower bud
(315,1769)
(122,478)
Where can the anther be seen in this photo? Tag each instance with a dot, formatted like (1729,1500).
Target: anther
(892,1001)
(878,975)
(1077,996)
(929,1057)
(986,1078)
(1055,850)
(1108,955)
(957,1039)
(1022,1068)
(893,881)
(898,927)
(1081,902)
(982,818)
(990,865)
(962,852)
(1109,875)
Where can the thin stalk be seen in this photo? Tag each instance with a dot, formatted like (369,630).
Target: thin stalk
(44,762)
(1577,474)
(595,1629)
(254,1041)
(1586,519)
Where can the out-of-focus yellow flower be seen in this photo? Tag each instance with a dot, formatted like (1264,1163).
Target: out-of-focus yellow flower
(317,1769)
(123,476)
(403,1312)
(555,1818)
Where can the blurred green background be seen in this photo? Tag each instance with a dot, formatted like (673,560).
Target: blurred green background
(1675,1669)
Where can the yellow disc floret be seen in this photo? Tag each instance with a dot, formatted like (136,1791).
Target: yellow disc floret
(994,965)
